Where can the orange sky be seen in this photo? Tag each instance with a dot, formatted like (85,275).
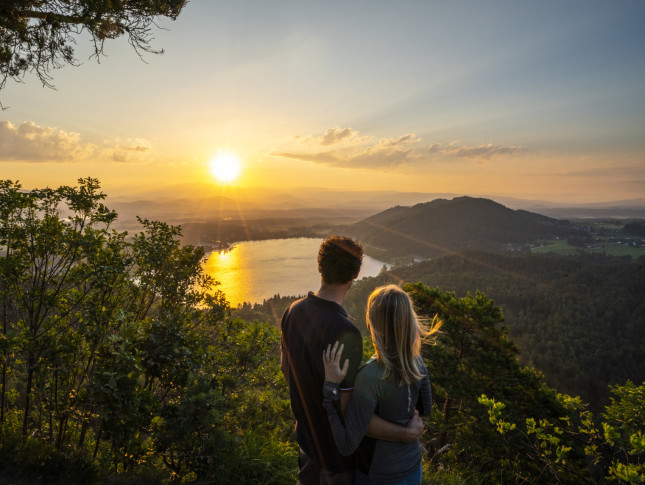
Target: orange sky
(536,101)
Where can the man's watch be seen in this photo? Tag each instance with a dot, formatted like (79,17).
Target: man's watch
(331,390)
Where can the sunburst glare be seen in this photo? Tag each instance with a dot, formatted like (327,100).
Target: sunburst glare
(225,167)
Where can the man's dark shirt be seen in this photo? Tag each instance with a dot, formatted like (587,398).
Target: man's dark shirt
(308,326)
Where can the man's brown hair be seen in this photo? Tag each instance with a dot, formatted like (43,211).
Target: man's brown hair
(339,259)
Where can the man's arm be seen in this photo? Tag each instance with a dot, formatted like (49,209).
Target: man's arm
(384,430)
(344,400)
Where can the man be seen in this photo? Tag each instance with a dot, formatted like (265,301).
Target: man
(308,326)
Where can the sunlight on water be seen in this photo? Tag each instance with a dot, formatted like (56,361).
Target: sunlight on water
(256,270)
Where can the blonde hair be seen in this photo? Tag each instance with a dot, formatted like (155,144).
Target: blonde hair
(397,333)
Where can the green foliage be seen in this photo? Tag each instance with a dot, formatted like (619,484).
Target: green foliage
(119,356)
(270,310)
(617,451)
(39,36)
(35,462)
(472,358)
(624,431)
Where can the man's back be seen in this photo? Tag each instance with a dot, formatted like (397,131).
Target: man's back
(308,326)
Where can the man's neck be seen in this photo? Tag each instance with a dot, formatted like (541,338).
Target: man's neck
(335,293)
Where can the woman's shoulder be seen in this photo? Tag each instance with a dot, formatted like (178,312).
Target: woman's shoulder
(370,369)
(373,363)
(369,380)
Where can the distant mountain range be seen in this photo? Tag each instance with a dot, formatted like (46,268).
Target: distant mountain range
(445,226)
(206,202)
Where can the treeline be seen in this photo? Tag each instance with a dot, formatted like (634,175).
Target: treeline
(121,363)
(636,228)
(230,231)
(270,310)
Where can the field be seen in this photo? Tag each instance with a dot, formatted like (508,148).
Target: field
(608,248)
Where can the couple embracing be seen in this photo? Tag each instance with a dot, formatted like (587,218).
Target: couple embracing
(355,424)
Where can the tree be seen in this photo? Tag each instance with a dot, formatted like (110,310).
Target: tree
(616,447)
(48,274)
(40,35)
(473,356)
(118,354)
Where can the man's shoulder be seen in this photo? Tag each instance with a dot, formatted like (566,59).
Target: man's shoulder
(298,303)
(324,319)
(307,303)
(312,305)
(296,307)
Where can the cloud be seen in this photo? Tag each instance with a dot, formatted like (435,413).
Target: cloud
(131,150)
(349,149)
(32,143)
(29,142)
(371,158)
(353,150)
(335,135)
(402,140)
(634,171)
(482,152)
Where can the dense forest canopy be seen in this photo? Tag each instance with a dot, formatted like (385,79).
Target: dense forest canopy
(578,319)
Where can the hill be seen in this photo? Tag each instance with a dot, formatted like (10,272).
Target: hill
(580,319)
(446,226)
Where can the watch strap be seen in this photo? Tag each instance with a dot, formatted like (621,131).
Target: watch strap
(331,390)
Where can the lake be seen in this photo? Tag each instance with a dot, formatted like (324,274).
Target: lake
(256,270)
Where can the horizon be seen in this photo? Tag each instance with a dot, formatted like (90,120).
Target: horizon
(197,191)
(413,98)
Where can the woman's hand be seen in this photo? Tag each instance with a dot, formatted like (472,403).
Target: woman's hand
(331,360)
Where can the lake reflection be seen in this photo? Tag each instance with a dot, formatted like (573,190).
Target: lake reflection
(256,270)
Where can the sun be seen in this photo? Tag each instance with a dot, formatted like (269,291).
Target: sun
(225,167)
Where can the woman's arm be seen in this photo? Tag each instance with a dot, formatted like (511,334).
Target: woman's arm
(382,429)
(359,411)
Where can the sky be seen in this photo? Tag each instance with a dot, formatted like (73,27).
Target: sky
(535,100)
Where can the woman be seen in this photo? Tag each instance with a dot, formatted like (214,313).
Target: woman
(393,384)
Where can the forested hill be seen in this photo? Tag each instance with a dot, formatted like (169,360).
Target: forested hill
(580,319)
(445,226)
